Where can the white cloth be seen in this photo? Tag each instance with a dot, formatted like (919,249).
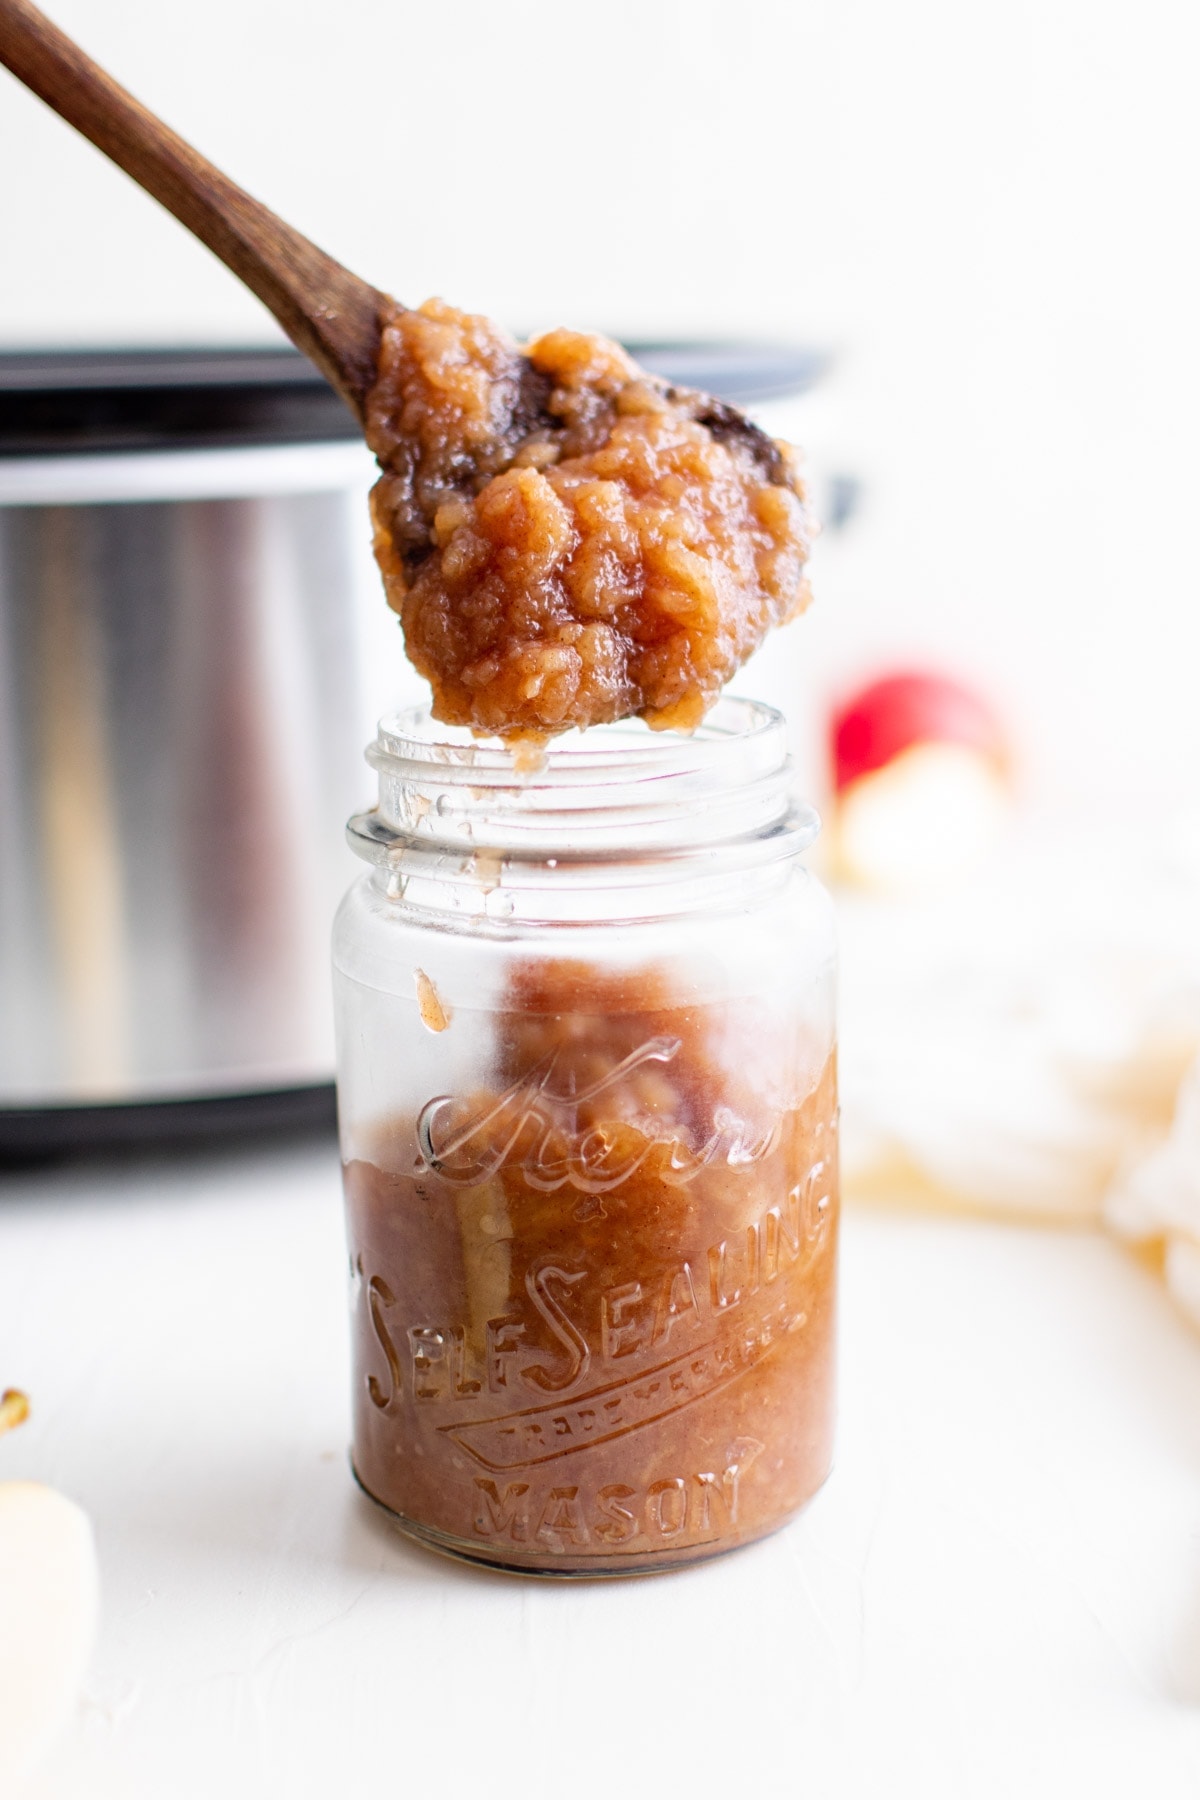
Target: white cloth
(1022,1045)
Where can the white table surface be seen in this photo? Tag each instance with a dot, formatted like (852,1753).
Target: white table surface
(998,1592)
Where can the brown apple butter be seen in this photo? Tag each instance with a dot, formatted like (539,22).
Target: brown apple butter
(595,1298)
(567,539)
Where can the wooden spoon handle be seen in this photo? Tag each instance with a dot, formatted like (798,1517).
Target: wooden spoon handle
(327,312)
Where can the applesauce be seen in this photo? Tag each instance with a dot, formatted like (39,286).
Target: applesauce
(569,540)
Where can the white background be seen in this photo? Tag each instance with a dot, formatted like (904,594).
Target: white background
(987,211)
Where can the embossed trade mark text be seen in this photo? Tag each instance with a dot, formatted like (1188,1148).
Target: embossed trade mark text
(541,1434)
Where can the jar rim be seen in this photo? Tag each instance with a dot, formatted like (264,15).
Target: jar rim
(755,731)
(617,798)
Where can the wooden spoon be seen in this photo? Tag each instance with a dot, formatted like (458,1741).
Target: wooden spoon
(326,311)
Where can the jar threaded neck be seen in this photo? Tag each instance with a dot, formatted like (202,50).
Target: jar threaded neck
(619,805)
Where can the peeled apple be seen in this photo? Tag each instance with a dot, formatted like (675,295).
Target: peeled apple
(48,1608)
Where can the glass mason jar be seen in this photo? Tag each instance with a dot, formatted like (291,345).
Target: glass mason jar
(585,1016)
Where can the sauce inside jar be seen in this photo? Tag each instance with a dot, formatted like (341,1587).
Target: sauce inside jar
(595,1298)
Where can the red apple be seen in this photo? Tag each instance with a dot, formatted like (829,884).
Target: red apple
(920,774)
(881,721)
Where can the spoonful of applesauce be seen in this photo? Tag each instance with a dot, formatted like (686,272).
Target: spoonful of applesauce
(567,539)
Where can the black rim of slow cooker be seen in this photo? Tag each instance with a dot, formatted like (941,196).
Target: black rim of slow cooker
(72,402)
(64,403)
(41,1134)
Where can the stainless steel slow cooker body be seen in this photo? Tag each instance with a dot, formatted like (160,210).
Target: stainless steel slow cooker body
(191,646)
(181,710)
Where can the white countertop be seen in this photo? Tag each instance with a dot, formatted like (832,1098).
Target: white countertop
(998,1592)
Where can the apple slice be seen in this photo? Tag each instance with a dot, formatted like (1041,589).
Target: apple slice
(920,766)
(48,1608)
